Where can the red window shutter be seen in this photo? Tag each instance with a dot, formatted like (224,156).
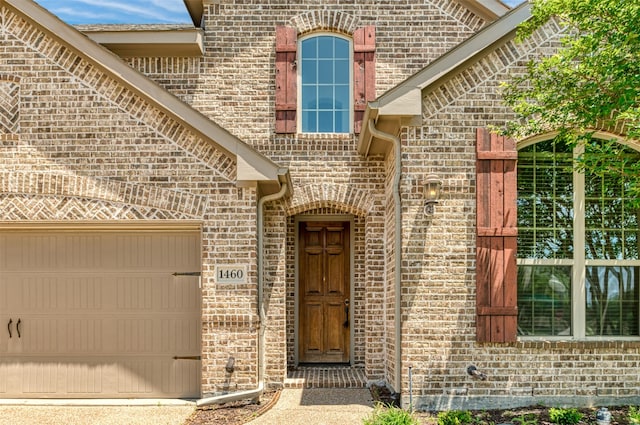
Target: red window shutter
(496,274)
(286,74)
(364,72)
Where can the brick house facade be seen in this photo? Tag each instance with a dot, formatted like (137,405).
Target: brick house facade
(212,144)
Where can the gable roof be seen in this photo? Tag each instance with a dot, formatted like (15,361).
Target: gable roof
(251,165)
(402,104)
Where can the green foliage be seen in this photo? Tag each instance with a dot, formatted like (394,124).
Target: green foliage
(593,78)
(634,415)
(482,418)
(454,417)
(564,416)
(526,419)
(390,415)
(591,83)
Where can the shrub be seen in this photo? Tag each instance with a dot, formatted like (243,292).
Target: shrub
(390,415)
(634,415)
(526,419)
(454,417)
(564,416)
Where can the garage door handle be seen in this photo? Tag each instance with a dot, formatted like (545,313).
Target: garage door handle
(9,327)
(18,328)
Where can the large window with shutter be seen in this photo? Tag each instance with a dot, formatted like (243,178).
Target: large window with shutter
(578,244)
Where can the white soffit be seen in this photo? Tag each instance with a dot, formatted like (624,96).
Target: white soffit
(148,42)
(408,104)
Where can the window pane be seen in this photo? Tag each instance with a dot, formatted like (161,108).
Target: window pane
(309,74)
(309,48)
(525,243)
(544,300)
(550,243)
(612,300)
(525,175)
(325,72)
(545,201)
(309,122)
(325,47)
(309,97)
(342,121)
(341,48)
(342,71)
(325,122)
(631,240)
(604,245)
(611,214)
(325,94)
(342,97)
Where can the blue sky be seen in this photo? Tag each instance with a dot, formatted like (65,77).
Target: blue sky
(118,11)
(128,11)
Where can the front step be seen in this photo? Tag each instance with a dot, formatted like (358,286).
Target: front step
(326,377)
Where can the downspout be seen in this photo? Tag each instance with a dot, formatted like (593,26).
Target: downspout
(256,393)
(398,243)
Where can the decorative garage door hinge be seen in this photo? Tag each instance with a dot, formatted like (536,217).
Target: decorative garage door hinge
(187,274)
(187,358)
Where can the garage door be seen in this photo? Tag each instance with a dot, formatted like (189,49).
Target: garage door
(99,314)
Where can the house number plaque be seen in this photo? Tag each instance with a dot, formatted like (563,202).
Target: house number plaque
(231,274)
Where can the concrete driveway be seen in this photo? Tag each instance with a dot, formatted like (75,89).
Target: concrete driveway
(94,415)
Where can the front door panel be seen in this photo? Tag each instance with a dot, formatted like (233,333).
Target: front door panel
(324,272)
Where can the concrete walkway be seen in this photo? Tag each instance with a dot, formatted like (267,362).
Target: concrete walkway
(320,406)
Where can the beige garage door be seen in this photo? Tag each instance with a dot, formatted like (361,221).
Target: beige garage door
(99,314)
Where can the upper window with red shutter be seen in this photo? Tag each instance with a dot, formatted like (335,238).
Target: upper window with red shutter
(325,84)
(323,80)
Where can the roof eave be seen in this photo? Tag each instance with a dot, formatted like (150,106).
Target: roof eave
(149,42)
(196,10)
(489,10)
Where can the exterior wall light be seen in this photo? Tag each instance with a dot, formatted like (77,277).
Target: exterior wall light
(432,185)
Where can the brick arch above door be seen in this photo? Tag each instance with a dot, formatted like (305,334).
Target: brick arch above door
(344,197)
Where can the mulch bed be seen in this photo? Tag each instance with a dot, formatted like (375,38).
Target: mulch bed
(233,413)
(241,412)
(533,415)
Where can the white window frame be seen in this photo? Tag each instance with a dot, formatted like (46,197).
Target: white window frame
(299,81)
(579,263)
